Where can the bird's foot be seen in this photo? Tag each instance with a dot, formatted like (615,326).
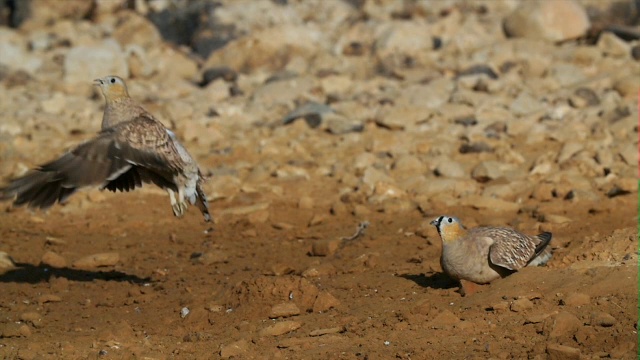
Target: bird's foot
(179,208)
(468,288)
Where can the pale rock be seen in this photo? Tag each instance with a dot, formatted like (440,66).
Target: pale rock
(324,302)
(374,176)
(602,319)
(138,61)
(520,305)
(325,247)
(236,349)
(525,104)
(97,260)
(54,260)
(211,257)
(284,310)
(564,324)
(627,86)
(87,62)
(487,171)
(280,328)
(173,63)
(6,262)
(400,117)
(444,319)
(264,49)
(556,219)
(451,187)
(431,96)
(611,45)
(281,92)
(489,203)
(566,75)
(134,29)
(292,173)
(569,150)
(562,352)
(398,40)
(451,169)
(408,164)
(14,330)
(14,52)
(557,20)
(364,160)
(306,202)
(55,104)
(339,124)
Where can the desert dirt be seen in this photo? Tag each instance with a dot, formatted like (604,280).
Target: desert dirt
(413,110)
(388,297)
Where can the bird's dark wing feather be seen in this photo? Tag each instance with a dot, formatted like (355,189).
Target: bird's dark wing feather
(118,158)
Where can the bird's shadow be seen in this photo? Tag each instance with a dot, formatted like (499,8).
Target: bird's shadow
(434,281)
(33,274)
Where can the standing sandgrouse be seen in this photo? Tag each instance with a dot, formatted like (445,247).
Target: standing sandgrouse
(132,148)
(483,254)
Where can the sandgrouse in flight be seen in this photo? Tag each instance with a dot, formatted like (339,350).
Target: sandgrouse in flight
(132,148)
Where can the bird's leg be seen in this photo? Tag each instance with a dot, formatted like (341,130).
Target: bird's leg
(181,201)
(177,209)
(467,288)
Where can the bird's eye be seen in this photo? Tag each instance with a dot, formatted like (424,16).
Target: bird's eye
(450,220)
(113,81)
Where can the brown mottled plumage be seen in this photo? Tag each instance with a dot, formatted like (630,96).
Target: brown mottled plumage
(132,148)
(483,254)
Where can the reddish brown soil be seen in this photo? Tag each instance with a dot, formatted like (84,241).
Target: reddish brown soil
(392,300)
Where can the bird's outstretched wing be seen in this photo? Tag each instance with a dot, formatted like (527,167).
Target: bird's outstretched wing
(118,158)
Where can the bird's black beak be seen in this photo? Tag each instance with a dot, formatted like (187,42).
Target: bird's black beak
(97,82)
(434,222)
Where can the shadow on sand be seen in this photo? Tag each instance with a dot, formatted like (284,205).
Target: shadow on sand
(32,274)
(434,281)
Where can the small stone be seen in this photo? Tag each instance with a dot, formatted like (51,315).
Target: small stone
(47,298)
(12,330)
(444,319)
(97,260)
(612,45)
(423,308)
(486,171)
(237,349)
(54,260)
(317,219)
(325,247)
(562,352)
(562,325)
(305,202)
(284,310)
(576,299)
(450,169)
(32,318)
(210,257)
(324,302)
(569,150)
(6,262)
(547,20)
(627,86)
(557,219)
(280,328)
(602,319)
(333,330)
(519,305)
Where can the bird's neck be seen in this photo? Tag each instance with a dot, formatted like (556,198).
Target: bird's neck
(120,110)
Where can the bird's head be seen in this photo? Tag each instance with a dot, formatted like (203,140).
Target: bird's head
(449,228)
(112,87)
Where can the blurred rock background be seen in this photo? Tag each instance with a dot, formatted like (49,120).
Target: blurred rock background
(398,105)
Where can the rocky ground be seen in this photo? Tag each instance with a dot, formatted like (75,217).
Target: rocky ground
(312,119)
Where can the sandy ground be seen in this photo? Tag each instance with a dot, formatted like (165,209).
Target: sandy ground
(379,296)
